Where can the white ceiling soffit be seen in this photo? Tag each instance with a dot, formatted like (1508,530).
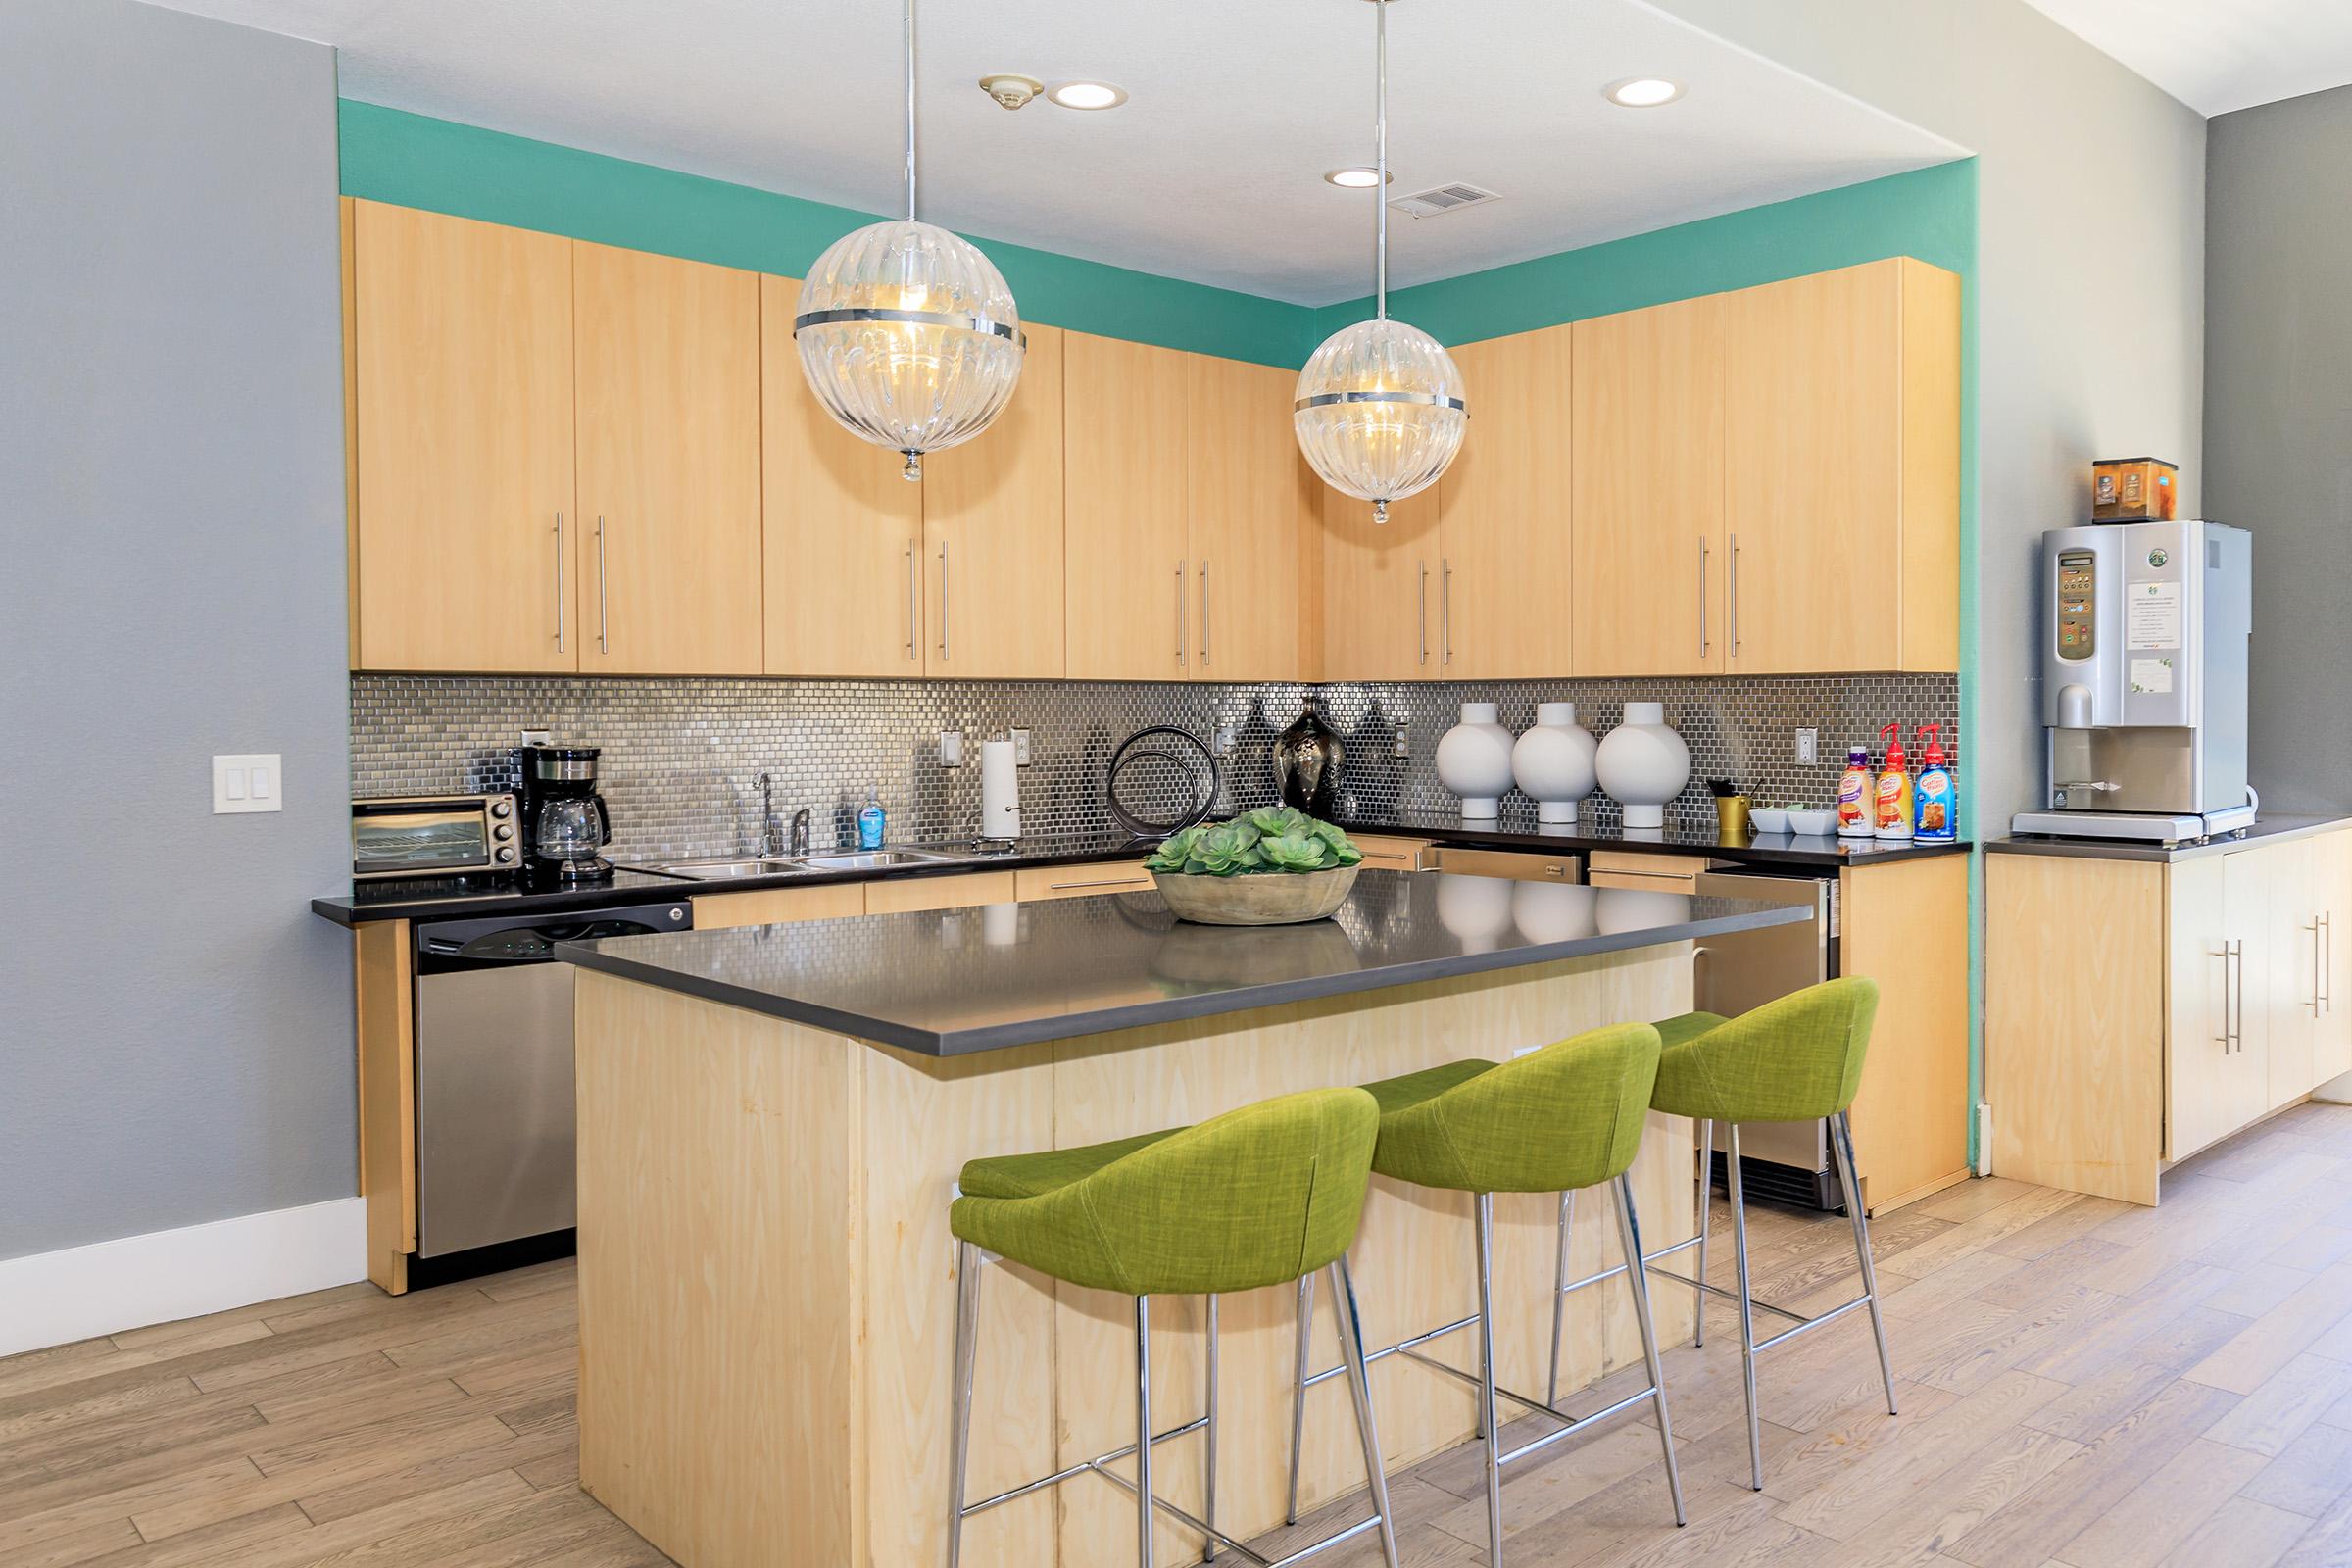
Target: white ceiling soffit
(2217,56)
(1213,170)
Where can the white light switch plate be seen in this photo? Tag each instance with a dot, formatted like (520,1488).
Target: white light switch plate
(247,782)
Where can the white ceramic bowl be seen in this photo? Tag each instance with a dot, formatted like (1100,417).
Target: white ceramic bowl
(1769,820)
(1815,823)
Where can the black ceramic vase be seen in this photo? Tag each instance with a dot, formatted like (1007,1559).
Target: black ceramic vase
(1306,763)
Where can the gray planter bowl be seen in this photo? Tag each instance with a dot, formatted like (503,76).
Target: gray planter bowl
(1266,899)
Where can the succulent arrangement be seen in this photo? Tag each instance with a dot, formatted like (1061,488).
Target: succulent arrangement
(1273,839)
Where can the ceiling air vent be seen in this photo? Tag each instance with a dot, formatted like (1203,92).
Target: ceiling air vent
(1443,199)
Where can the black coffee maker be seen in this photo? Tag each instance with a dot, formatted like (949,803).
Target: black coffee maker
(565,821)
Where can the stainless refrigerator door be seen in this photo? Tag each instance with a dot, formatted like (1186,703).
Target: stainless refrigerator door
(494,1107)
(1749,969)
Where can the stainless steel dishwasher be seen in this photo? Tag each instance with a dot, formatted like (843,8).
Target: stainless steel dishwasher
(494,1072)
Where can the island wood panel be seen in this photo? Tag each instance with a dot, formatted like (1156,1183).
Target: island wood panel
(1905,926)
(992,536)
(1379,611)
(1254,503)
(2076,998)
(464,393)
(1035,883)
(954,891)
(1126,561)
(1504,582)
(842,529)
(727,1211)
(1647,429)
(387,1097)
(668,410)
(719,911)
(721,1171)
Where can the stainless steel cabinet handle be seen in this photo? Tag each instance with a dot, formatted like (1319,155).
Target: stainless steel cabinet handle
(561,596)
(2238,1014)
(2319,968)
(1204,614)
(1101,882)
(1421,612)
(1735,596)
(913,607)
(1445,613)
(1702,595)
(942,598)
(2328,959)
(1180,611)
(2223,1038)
(603,628)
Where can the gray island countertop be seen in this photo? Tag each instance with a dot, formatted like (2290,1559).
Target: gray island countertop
(949,982)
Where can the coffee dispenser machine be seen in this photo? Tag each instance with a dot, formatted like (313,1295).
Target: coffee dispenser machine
(2145,629)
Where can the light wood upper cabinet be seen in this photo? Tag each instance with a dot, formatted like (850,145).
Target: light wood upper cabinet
(843,531)
(667,354)
(1650,537)
(1252,501)
(1129,584)
(993,535)
(1842,470)
(465,528)
(1379,593)
(1506,571)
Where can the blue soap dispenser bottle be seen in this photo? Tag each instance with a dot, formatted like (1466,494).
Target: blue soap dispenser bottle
(870,820)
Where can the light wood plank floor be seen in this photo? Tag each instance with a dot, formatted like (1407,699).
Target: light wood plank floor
(2084,1384)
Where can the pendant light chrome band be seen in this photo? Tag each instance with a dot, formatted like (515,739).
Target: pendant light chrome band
(1434,400)
(979,324)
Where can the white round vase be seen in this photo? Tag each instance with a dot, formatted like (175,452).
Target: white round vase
(1644,764)
(1552,763)
(1474,761)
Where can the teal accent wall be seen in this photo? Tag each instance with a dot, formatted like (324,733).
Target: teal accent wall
(411,160)
(389,155)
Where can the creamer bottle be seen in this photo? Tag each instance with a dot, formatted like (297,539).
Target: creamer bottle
(1937,808)
(1894,819)
(1855,807)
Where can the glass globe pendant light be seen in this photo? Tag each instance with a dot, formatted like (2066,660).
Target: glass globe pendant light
(1380,408)
(908,334)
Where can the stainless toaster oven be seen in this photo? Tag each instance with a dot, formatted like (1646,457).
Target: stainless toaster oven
(435,835)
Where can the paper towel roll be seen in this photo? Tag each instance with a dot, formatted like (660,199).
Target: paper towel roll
(999,791)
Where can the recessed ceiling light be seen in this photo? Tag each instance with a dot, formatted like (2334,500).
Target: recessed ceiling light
(1642,92)
(1087,95)
(1356,179)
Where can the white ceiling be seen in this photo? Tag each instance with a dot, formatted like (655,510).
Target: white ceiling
(2220,55)
(1213,170)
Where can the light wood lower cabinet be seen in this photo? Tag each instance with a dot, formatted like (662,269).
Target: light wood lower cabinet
(1636,868)
(1033,884)
(2138,1011)
(720,911)
(1905,926)
(382,982)
(958,891)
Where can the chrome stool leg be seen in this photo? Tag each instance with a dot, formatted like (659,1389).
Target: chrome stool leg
(1486,1377)
(1142,1431)
(967,1337)
(1629,1232)
(1747,1316)
(1706,1202)
(1842,1139)
(1306,1323)
(1560,1296)
(1359,1385)
(1208,1507)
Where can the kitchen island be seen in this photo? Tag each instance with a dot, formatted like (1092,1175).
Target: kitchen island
(771,1120)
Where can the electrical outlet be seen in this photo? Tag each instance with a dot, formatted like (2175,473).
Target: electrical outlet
(951,748)
(248,782)
(1808,747)
(1227,740)
(1020,747)
(538,737)
(1402,746)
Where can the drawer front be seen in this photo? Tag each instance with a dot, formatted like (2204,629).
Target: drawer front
(1388,854)
(1514,864)
(950,892)
(1647,867)
(1035,883)
(719,911)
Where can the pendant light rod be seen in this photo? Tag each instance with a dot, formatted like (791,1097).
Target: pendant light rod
(910,110)
(1380,181)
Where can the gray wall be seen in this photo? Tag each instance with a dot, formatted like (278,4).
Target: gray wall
(2091,285)
(174,1029)
(2278,422)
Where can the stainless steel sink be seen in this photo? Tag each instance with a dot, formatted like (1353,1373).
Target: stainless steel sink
(877,859)
(726,870)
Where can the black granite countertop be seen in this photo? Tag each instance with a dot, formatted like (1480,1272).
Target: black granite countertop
(1519,830)
(2268,830)
(951,982)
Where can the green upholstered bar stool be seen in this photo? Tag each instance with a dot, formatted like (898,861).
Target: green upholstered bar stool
(1261,1195)
(1797,1059)
(1566,1116)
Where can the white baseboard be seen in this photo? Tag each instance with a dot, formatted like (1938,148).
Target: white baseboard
(54,1297)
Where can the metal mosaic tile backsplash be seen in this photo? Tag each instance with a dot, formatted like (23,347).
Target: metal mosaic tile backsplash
(682,757)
